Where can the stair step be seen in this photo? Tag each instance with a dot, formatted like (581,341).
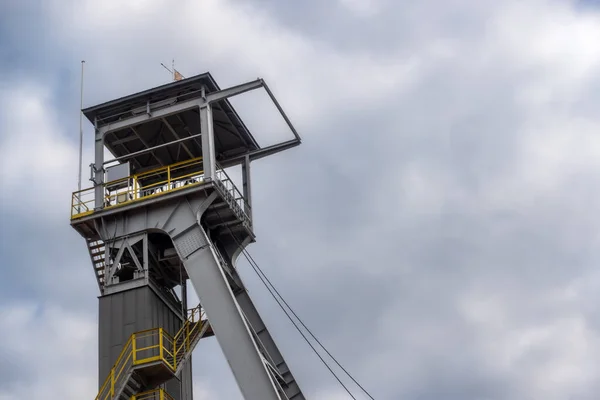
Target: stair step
(97,252)
(135,381)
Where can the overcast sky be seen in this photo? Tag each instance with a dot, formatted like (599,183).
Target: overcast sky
(437,229)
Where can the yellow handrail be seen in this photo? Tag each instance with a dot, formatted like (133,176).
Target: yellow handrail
(144,185)
(157,345)
(156,394)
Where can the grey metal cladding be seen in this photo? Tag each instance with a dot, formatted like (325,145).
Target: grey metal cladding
(127,312)
(188,242)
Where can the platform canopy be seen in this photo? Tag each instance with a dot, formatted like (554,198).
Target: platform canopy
(232,138)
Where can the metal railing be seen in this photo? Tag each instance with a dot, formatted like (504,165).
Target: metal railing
(157,394)
(232,193)
(140,186)
(157,182)
(184,340)
(150,346)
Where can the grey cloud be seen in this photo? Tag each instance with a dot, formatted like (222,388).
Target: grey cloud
(524,255)
(386,269)
(13,370)
(41,261)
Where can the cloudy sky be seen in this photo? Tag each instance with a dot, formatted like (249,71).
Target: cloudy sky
(437,229)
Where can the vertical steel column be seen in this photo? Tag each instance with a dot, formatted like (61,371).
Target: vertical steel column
(98,168)
(184,302)
(247,187)
(208,142)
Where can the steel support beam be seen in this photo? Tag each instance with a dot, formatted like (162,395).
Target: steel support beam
(260,153)
(170,128)
(234,90)
(267,343)
(151,149)
(246,187)
(265,340)
(98,169)
(223,312)
(163,112)
(147,145)
(283,114)
(208,142)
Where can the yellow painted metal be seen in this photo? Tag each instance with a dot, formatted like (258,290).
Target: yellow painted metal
(163,180)
(112,380)
(153,345)
(156,394)
(133,349)
(160,342)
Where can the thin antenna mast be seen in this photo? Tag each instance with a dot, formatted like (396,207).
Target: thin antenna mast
(167,68)
(175,75)
(80,130)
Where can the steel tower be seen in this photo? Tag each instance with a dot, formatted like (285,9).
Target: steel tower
(163,211)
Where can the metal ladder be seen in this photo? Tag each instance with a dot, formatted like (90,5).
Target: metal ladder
(96,248)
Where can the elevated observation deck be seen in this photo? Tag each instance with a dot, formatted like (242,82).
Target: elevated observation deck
(170,141)
(161,184)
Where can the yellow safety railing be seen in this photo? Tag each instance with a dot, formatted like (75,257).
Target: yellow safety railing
(156,394)
(82,203)
(152,345)
(140,186)
(184,338)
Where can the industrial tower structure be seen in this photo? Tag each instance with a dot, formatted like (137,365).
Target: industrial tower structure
(164,211)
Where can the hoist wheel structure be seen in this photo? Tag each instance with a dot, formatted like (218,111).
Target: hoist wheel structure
(164,211)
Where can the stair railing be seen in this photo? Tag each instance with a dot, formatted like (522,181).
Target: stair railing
(152,345)
(119,372)
(156,394)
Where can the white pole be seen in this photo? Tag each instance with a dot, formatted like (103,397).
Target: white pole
(80,130)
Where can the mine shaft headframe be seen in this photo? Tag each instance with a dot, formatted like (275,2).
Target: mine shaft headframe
(134,127)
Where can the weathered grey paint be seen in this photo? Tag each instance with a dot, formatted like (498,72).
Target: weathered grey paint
(197,233)
(124,313)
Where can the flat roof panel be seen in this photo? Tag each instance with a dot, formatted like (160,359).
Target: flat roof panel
(231,134)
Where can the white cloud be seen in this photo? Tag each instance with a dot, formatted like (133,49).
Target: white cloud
(362,8)
(38,164)
(541,53)
(53,349)
(553,358)
(255,46)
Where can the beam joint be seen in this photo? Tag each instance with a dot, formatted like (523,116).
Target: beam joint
(139,119)
(234,91)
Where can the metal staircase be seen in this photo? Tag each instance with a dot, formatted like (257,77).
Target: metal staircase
(152,357)
(97,252)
